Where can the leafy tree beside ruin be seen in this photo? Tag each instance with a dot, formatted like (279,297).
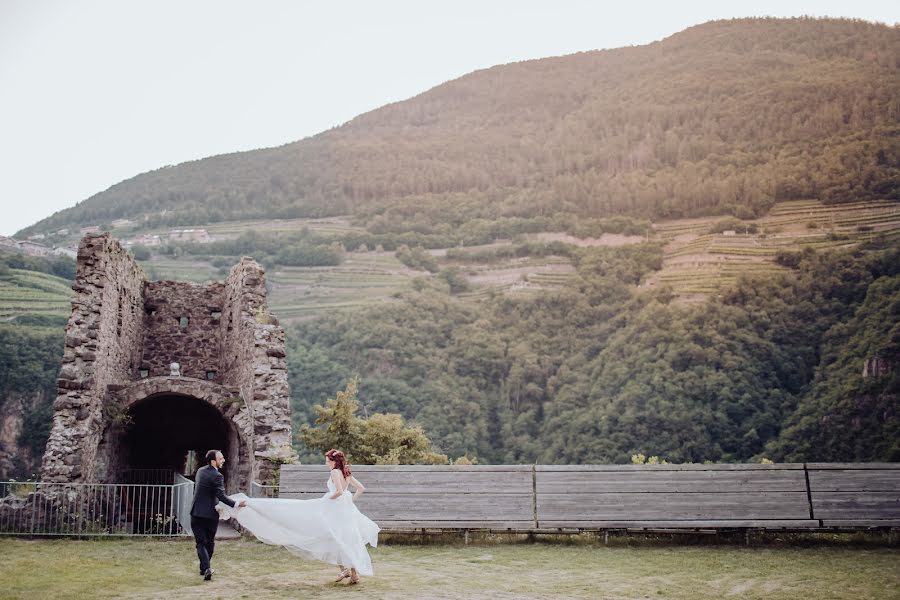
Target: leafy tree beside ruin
(382,439)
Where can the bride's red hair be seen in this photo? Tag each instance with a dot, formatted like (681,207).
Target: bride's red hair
(340,461)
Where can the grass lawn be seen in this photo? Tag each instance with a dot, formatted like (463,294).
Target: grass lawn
(132,568)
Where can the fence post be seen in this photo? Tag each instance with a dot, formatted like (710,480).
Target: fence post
(34,496)
(172,497)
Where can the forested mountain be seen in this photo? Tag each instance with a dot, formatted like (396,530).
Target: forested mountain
(725,117)
(598,371)
(796,358)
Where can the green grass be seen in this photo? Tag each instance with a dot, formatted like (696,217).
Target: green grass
(576,568)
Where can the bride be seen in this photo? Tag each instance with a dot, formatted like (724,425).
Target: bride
(329,528)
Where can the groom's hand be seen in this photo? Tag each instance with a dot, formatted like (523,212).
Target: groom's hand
(242,504)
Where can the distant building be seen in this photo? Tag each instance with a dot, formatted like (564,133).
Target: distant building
(70,252)
(729,232)
(63,232)
(8,242)
(36,236)
(189,235)
(144,240)
(89,229)
(34,249)
(120,223)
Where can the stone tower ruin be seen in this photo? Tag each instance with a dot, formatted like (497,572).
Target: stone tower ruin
(122,404)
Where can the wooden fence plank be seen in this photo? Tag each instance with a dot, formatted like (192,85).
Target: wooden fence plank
(441,506)
(684,524)
(853,466)
(846,480)
(863,493)
(853,505)
(684,467)
(719,506)
(669,481)
(858,523)
(432,524)
(502,482)
(408,468)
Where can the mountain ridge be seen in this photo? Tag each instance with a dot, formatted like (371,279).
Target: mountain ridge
(720,115)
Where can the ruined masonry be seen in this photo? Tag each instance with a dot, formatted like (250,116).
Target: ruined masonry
(123,405)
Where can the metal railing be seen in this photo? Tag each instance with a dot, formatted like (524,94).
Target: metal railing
(259,490)
(182,499)
(101,509)
(96,509)
(148,476)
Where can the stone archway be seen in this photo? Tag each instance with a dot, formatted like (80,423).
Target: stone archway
(164,418)
(126,335)
(171,432)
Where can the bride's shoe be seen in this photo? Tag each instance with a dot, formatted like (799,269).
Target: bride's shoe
(342,576)
(354,579)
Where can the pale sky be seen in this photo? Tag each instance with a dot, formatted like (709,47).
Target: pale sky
(93,92)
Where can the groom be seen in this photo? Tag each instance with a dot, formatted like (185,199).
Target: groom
(209,486)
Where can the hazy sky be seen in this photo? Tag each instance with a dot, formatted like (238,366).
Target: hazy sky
(93,92)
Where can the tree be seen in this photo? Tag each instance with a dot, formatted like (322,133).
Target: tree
(140,252)
(455,279)
(380,439)
(341,426)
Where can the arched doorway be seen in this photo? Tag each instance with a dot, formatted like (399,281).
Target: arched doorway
(167,418)
(173,432)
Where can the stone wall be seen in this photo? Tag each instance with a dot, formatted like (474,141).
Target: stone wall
(253,360)
(181,321)
(123,334)
(103,344)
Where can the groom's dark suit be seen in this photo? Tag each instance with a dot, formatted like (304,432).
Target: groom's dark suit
(209,487)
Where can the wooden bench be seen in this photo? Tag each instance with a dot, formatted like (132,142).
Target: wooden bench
(430,497)
(547,498)
(855,495)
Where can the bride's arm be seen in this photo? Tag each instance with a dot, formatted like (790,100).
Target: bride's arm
(338,480)
(360,488)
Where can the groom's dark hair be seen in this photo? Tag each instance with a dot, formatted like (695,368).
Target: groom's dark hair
(211,456)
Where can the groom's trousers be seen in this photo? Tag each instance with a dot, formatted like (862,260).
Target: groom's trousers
(205,537)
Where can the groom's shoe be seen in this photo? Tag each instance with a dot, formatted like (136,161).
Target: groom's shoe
(207,575)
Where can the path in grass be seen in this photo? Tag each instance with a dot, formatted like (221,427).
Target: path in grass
(246,569)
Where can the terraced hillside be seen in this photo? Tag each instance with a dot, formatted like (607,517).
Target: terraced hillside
(361,279)
(333,226)
(698,262)
(34,298)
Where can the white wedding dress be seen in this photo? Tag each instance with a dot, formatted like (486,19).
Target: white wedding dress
(323,529)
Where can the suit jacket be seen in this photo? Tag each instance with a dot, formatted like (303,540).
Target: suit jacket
(209,486)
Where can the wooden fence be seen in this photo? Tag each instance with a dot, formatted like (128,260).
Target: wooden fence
(813,496)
